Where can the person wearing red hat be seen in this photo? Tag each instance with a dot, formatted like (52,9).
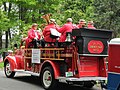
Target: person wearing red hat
(67,27)
(33,35)
(90,25)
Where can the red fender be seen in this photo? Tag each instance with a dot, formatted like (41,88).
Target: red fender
(55,67)
(12,61)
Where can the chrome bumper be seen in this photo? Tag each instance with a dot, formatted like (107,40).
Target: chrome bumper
(72,79)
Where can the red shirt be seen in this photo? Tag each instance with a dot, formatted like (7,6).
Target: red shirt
(79,26)
(46,33)
(65,28)
(31,36)
(91,26)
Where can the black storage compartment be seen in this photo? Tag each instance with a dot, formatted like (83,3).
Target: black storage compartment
(92,41)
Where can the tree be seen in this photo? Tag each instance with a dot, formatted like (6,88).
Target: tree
(107,15)
(23,13)
(78,9)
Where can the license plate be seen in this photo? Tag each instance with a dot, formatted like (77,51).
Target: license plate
(68,74)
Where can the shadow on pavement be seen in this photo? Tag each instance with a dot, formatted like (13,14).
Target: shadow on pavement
(36,81)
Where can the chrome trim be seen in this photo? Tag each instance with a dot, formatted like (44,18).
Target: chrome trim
(27,72)
(93,55)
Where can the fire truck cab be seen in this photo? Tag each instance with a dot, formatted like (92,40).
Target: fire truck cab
(81,60)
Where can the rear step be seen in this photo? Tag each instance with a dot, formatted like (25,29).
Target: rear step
(27,72)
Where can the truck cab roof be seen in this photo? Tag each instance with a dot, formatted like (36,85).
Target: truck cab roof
(115,41)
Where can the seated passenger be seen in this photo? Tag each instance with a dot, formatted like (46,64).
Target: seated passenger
(33,36)
(82,23)
(67,27)
(47,32)
(90,25)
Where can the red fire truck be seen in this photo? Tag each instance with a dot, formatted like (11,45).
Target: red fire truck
(78,61)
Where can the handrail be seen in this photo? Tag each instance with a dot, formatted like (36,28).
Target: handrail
(45,48)
(47,53)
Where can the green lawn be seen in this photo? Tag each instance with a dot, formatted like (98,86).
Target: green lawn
(1,65)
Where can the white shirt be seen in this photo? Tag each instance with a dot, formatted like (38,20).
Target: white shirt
(36,36)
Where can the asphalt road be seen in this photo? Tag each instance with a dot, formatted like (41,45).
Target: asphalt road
(26,82)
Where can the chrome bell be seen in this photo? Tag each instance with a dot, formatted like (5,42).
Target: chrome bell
(68,38)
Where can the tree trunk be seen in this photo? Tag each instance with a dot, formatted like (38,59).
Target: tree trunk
(7,32)
(0,40)
(6,40)
(9,9)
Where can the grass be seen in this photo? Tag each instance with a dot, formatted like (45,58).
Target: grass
(1,65)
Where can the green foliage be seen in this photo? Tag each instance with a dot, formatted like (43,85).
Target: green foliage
(108,15)
(4,21)
(78,9)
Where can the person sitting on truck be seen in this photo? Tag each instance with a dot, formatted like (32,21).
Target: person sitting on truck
(82,23)
(91,25)
(67,27)
(47,31)
(33,36)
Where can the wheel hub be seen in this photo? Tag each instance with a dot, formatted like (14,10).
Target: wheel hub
(47,78)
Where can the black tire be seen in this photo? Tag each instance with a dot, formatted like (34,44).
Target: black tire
(48,79)
(89,84)
(8,72)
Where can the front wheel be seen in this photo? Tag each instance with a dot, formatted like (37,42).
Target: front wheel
(47,79)
(8,72)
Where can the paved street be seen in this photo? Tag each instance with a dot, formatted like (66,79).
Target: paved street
(26,82)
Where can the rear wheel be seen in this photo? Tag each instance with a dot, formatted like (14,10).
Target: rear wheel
(47,79)
(8,72)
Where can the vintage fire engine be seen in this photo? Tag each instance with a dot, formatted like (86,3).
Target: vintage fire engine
(114,64)
(78,61)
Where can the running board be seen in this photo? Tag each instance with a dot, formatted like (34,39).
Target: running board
(72,79)
(27,72)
